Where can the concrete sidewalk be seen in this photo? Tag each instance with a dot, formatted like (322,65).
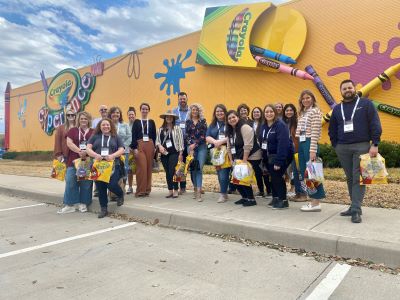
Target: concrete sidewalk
(377,239)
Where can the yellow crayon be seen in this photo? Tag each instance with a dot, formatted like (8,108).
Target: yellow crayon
(378,80)
(364,91)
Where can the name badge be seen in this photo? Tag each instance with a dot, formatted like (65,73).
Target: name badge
(182,125)
(168,143)
(264,146)
(104,151)
(302,137)
(348,126)
(82,146)
(233,150)
(221,136)
(145,138)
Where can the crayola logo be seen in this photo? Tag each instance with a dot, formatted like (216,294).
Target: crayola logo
(235,40)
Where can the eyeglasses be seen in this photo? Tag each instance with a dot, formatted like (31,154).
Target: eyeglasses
(70,115)
(103,109)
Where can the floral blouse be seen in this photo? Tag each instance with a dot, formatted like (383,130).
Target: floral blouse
(196,134)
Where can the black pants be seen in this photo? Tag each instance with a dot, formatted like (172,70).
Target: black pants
(113,186)
(182,184)
(245,191)
(258,173)
(278,181)
(267,182)
(169,163)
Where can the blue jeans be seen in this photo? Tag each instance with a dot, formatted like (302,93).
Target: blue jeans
(200,153)
(223,179)
(77,191)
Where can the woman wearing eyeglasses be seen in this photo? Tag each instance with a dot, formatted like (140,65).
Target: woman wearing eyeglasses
(77,192)
(60,143)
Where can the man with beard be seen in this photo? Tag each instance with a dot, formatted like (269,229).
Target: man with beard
(354,129)
(182,111)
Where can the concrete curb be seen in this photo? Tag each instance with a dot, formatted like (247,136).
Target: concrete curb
(378,252)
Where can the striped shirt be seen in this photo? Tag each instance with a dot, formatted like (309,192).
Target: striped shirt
(310,122)
(177,138)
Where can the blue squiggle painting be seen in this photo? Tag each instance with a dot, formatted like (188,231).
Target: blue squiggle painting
(175,72)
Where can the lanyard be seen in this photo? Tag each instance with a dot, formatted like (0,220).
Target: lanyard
(219,126)
(354,110)
(84,134)
(267,134)
(305,122)
(166,136)
(180,115)
(118,127)
(147,127)
(108,141)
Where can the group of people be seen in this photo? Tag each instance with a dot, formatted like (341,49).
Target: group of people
(266,138)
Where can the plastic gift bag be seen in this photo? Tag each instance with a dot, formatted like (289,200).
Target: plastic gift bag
(83,167)
(58,170)
(313,176)
(242,173)
(373,170)
(218,156)
(181,169)
(101,170)
(131,164)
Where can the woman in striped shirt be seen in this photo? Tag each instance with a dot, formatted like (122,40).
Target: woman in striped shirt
(309,132)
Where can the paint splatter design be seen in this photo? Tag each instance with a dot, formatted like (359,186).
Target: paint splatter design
(368,65)
(22,112)
(175,72)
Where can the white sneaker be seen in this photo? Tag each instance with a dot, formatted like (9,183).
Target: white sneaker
(66,209)
(309,208)
(222,199)
(291,194)
(130,190)
(82,208)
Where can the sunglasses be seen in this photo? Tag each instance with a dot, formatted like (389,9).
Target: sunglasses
(70,115)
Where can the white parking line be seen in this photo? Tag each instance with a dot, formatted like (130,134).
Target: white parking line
(18,207)
(328,285)
(72,238)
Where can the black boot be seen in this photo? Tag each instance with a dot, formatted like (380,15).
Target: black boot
(285,203)
(278,204)
(102,213)
(356,218)
(273,201)
(120,200)
(348,213)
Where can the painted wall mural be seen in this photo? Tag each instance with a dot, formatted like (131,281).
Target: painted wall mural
(66,88)
(22,112)
(175,72)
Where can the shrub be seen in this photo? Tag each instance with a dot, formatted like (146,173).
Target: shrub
(329,157)
(29,156)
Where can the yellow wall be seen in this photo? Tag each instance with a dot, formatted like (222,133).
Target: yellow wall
(328,22)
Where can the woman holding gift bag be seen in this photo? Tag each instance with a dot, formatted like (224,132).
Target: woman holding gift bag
(309,132)
(242,145)
(105,144)
(278,152)
(77,191)
(169,142)
(216,138)
(196,129)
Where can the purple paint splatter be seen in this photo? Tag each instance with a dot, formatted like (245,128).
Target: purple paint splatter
(368,65)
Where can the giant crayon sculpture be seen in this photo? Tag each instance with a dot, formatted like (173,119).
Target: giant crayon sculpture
(282,68)
(363,91)
(378,80)
(394,111)
(271,54)
(321,86)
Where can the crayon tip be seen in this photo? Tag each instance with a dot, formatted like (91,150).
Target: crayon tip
(308,76)
(290,60)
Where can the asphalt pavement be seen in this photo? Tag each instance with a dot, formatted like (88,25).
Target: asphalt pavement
(376,239)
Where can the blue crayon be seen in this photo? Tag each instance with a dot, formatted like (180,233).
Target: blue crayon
(271,54)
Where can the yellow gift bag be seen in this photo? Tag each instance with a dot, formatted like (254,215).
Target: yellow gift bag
(243,174)
(59,169)
(101,170)
(372,170)
(181,169)
(83,168)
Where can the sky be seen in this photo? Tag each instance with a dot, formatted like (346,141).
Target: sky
(52,35)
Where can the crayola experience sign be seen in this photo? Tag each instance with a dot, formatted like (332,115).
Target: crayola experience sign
(67,88)
(228,32)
